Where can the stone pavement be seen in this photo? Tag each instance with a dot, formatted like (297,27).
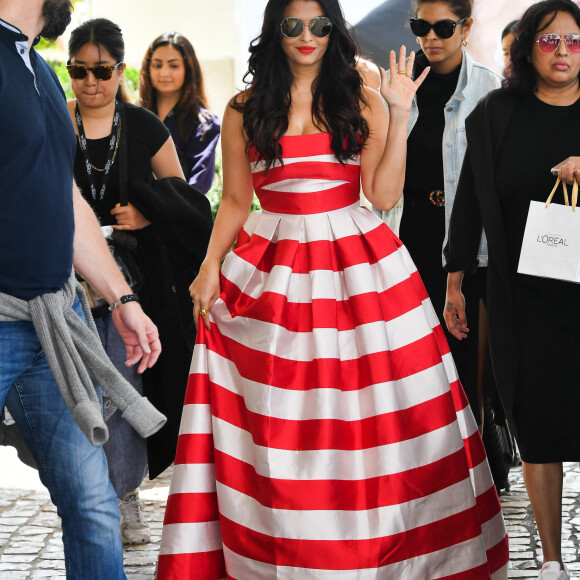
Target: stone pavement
(30,537)
(31,547)
(525,547)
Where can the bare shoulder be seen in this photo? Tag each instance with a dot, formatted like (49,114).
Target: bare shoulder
(374,101)
(369,73)
(237,102)
(233,119)
(376,114)
(241,97)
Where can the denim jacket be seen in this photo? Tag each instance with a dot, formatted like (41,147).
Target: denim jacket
(475,81)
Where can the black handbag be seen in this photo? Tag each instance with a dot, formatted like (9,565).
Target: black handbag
(500,444)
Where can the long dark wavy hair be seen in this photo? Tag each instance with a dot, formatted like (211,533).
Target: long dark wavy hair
(337,97)
(460,7)
(189,109)
(522,76)
(103,34)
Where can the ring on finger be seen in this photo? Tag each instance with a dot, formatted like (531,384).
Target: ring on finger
(401,72)
(203,311)
(408,75)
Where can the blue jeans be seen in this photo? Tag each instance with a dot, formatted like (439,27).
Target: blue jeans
(74,471)
(126,450)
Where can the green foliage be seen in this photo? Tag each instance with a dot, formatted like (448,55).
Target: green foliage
(255,204)
(43,44)
(132,76)
(215,193)
(59,68)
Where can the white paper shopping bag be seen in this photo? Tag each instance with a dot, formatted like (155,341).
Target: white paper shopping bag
(551,244)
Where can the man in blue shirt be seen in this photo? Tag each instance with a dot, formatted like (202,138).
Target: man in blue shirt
(45,227)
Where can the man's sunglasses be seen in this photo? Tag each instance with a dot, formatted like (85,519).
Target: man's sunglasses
(550,42)
(320,27)
(443,28)
(101,72)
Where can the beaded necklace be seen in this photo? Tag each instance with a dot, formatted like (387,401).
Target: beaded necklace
(114,140)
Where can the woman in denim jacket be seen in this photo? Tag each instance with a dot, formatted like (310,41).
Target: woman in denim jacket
(435,149)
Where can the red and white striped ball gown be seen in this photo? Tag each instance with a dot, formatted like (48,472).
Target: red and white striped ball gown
(325,434)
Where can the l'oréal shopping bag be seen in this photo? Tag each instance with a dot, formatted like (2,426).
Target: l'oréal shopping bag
(551,244)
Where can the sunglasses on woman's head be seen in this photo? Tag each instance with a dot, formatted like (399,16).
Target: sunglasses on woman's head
(293,27)
(550,42)
(443,28)
(101,72)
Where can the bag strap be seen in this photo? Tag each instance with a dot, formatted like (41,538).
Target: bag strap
(574,193)
(123,181)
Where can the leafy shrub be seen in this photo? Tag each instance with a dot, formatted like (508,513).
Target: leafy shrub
(59,68)
(215,193)
(132,76)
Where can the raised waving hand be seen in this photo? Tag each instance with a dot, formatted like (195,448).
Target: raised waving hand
(399,90)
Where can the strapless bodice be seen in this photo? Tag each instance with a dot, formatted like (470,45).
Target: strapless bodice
(310,180)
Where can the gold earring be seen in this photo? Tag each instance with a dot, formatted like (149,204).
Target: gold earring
(418,40)
(465,42)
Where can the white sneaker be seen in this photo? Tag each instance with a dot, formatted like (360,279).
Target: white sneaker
(134,526)
(553,571)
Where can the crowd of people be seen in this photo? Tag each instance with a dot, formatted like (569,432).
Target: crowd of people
(308,368)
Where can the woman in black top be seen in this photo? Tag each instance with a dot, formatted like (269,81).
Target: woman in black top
(435,149)
(515,136)
(103,120)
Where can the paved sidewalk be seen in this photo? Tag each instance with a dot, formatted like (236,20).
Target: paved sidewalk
(31,547)
(30,537)
(525,547)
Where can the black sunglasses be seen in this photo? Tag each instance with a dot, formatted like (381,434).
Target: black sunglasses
(320,27)
(101,72)
(443,28)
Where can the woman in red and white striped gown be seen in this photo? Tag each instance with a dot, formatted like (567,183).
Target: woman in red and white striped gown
(324,434)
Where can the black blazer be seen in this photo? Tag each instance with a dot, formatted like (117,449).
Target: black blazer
(477,205)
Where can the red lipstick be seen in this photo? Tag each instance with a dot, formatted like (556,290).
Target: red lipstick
(306,49)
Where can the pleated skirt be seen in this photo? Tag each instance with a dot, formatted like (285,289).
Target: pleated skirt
(325,433)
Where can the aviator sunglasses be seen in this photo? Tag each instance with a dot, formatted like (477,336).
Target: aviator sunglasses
(101,72)
(293,27)
(550,42)
(443,28)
